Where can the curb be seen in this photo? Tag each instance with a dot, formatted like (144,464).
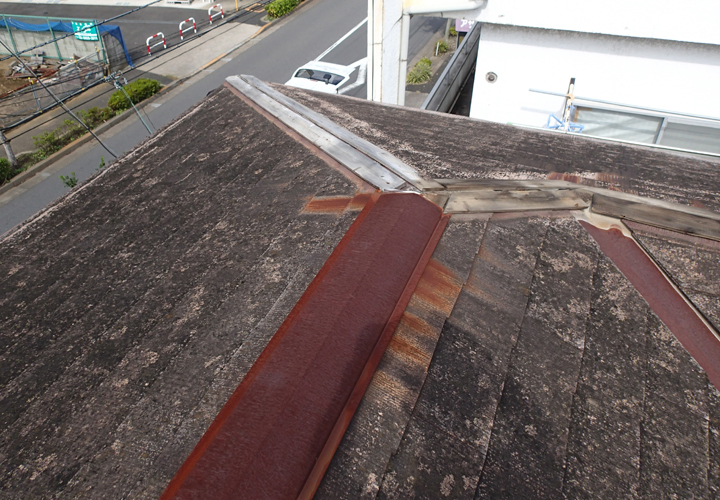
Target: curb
(47,162)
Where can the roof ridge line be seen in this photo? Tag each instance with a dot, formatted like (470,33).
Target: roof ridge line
(379,155)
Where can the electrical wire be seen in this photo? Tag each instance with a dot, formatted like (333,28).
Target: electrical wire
(86,27)
(59,101)
(136,67)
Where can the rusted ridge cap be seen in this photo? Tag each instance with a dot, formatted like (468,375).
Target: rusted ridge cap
(278,431)
(384,158)
(363,166)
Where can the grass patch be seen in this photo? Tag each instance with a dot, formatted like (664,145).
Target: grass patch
(421,72)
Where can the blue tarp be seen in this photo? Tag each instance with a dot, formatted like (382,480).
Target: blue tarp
(64,27)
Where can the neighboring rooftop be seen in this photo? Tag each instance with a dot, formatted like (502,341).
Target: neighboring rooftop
(503,348)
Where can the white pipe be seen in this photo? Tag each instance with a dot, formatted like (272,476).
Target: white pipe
(452,7)
(369,64)
(404,42)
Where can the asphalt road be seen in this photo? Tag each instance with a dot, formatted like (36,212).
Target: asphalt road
(311,30)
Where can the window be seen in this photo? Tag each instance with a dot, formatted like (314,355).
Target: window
(681,133)
(320,76)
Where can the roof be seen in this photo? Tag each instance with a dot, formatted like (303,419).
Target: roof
(334,303)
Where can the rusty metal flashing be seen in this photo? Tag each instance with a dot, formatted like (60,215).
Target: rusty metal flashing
(292,408)
(688,324)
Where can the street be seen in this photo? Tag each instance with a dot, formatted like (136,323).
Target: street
(305,35)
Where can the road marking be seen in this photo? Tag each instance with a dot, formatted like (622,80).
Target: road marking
(362,73)
(341,40)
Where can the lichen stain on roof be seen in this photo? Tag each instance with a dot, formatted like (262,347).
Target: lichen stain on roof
(525,364)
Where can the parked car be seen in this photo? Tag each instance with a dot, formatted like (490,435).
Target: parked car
(321,76)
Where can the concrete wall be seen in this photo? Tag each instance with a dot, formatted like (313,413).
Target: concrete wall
(676,76)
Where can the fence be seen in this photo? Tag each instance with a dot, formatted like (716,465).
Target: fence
(77,61)
(68,80)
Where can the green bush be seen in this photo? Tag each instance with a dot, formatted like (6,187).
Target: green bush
(96,116)
(442,47)
(421,73)
(452,31)
(279,8)
(6,170)
(47,143)
(139,90)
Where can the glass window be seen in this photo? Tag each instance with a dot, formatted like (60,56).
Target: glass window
(619,125)
(320,76)
(694,137)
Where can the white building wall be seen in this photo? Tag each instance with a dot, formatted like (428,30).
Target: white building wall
(675,76)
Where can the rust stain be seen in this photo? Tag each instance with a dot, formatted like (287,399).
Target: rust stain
(417,324)
(439,287)
(699,204)
(359,201)
(406,349)
(327,205)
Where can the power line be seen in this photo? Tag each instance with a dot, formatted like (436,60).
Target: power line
(96,24)
(59,101)
(137,67)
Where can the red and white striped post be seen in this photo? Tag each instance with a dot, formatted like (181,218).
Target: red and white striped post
(183,31)
(156,35)
(212,16)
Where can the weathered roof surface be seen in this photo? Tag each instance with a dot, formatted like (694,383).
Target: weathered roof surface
(132,308)
(447,146)
(524,365)
(551,378)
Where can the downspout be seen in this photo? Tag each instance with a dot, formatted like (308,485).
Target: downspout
(445,9)
(404,42)
(370,52)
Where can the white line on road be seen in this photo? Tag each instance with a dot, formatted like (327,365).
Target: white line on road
(341,40)
(362,72)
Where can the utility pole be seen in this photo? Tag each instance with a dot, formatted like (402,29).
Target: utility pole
(8,149)
(447,29)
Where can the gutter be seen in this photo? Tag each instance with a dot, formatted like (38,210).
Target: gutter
(452,7)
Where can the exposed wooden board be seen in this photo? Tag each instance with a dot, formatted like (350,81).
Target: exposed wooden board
(362,165)
(379,155)
(704,225)
(516,185)
(514,201)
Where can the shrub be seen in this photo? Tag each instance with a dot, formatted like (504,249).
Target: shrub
(6,170)
(279,8)
(421,73)
(96,116)
(47,143)
(139,90)
(453,32)
(442,47)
